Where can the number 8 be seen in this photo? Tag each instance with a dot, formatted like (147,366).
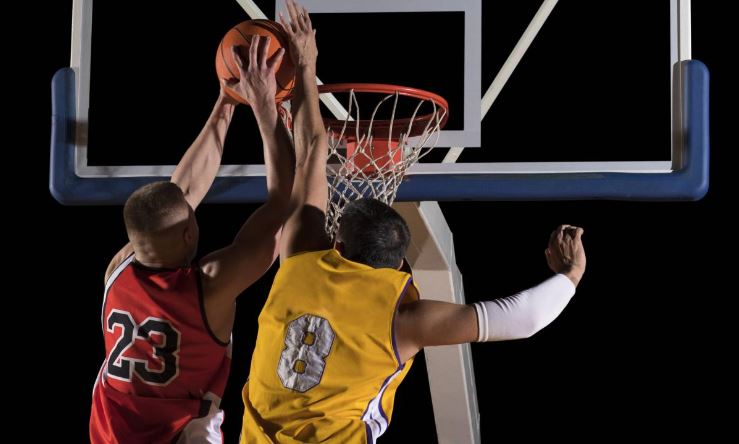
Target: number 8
(308,343)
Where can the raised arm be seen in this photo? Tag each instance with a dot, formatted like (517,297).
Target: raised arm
(305,226)
(426,323)
(198,167)
(229,271)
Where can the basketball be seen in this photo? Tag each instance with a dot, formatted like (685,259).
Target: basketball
(240,35)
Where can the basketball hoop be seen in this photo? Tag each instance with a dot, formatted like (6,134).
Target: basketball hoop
(370,157)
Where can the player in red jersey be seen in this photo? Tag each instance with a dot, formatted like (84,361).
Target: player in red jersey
(166,319)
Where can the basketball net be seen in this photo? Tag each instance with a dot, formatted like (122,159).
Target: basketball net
(371,158)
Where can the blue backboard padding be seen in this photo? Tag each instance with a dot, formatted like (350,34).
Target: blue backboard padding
(687,183)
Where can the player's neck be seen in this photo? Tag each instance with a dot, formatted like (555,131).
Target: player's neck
(160,264)
(152,259)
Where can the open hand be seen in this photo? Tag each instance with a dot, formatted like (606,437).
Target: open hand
(301,35)
(256,83)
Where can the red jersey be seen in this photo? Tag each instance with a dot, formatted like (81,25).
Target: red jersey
(165,371)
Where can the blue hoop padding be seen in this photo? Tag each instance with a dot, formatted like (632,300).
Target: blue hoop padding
(688,183)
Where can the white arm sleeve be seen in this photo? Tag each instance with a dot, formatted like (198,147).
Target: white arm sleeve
(523,314)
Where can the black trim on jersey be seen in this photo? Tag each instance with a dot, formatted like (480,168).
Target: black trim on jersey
(109,284)
(201,298)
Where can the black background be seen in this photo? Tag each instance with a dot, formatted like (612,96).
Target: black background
(644,348)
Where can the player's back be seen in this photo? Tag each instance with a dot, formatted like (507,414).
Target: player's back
(325,368)
(164,372)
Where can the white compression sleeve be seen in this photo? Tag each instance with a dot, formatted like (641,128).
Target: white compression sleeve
(523,314)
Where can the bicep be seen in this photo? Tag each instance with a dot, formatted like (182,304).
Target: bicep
(305,230)
(192,197)
(428,323)
(232,269)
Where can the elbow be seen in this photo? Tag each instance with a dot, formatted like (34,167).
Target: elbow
(278,203)
(531,325)
(528,332)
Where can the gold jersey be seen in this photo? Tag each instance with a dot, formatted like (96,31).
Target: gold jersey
(325,367)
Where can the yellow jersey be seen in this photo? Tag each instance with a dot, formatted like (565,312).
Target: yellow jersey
(325,367)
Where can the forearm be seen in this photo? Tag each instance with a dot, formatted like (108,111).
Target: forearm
(523,314)
(304,228)
(310,144)
(308,129)
(199,166)
(279,156)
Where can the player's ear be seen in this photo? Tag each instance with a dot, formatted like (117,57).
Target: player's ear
(405,266)
(187,234)
(189,231)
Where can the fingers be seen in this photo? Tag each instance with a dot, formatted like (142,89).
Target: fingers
(263,51)
(228,84)
(305,19)
(292,10)
(570,231)
(578,234)
(573,232)
(254,50)
(287,26)
(238,59)
(275,60)
(299,18)
(258,54)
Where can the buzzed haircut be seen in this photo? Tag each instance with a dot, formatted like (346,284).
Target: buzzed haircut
(149,208)
(373,234)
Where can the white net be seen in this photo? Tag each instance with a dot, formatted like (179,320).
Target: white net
(370,158)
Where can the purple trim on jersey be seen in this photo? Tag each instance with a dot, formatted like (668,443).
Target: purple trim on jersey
(392,328)
(382,394)
(379,396)
(368,430)
(366,424)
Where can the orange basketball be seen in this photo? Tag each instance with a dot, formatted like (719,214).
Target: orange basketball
(240,35)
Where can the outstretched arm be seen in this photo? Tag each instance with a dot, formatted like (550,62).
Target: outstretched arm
(199,165)
(198,168)
(229,271)
(305,226)
(426,323)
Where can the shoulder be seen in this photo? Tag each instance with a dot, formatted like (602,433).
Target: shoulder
(304,256)
(125,253)
(308,259)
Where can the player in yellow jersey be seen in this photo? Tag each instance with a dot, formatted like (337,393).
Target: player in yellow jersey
(341,325)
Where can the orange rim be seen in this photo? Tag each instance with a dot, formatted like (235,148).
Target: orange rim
(417,125)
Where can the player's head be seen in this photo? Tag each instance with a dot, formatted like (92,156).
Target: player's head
(372,233)
(160,223)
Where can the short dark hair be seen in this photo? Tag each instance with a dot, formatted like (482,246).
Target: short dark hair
(147,210)
(373,234)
